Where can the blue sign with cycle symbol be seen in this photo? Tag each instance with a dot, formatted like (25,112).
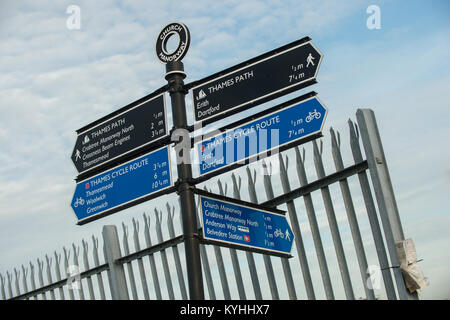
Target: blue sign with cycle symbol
(246,226)
(288,125)
(123,186)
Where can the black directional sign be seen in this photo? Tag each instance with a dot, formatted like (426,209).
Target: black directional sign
(137,126)
(263,78)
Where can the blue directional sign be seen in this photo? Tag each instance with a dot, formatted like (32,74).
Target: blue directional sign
(292,123)
(245,226)
(122,186)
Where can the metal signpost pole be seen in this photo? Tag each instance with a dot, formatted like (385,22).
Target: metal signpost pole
(175,75)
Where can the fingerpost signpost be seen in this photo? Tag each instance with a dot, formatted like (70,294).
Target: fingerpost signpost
(124,158)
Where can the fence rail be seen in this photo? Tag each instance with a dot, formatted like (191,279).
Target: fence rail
(230,274)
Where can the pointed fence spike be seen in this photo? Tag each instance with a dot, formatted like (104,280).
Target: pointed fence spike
(95,241)
(280,160)
(169,213)
(315,149)
(339,138)
(334,143)
(351,128)
(125,230)
(158,222)
(49,261)
(147,220)
(264,166)
(249,174)
(298,157)
(357,130)
(24,271)
(135,225)
(219,183)
(57,259)
(331,130)
(76,250)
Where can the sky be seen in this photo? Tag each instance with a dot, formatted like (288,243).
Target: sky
(55,80)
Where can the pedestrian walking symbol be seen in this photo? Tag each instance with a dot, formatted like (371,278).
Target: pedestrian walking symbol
(309,60)
(77,155)
(288,235)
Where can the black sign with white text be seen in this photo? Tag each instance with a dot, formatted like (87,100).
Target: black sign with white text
(120,134)
(260,79)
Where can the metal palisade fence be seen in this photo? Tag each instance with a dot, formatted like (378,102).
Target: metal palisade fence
(341,251)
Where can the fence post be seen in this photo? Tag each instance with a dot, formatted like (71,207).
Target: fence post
(40,277)
(220,267)
(250,258)
(9,276)
(119,289)
(234,258)
(151,257)
(176,254)
(351,214)
(137,247)
(66,266)
(76,252)
(332,222)
(384,192)
(2,285)
(17,274)
(296,229)
(205,264)
(33,283)
(24,279)
(267,261)
(372,214)
(97,263)
(58,274)
(86,267)
(165,262)
(49,276)
(126,250)
(314,226)
(284,261)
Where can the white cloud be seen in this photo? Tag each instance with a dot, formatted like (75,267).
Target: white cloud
(53,81)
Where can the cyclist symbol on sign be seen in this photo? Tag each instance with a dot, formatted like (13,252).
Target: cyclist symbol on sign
(79,201)
(279,233)
(312,115)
